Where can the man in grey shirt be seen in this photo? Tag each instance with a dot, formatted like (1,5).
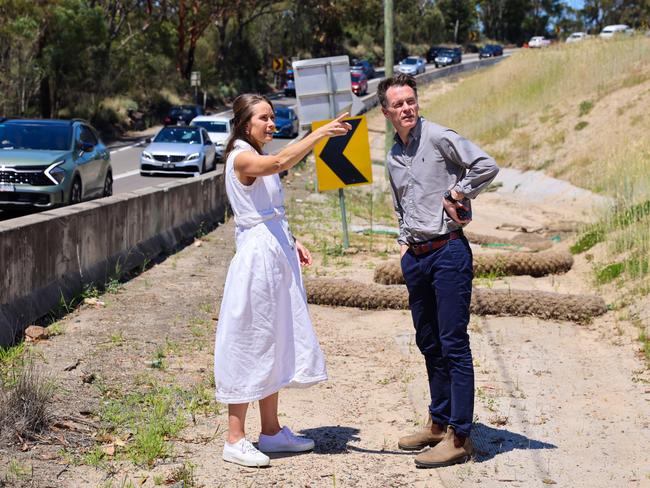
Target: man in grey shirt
(434,173)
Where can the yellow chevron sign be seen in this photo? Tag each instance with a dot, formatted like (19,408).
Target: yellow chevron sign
(344,160)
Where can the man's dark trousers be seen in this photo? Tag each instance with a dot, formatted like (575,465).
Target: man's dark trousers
(440,290)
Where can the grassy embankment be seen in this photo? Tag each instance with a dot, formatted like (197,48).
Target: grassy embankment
(580,113)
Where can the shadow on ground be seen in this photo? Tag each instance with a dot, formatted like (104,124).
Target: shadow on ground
(489,442)
(332,439)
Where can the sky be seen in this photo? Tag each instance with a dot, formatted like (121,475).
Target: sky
(576,3)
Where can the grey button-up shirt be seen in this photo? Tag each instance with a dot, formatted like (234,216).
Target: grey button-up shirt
(434,160)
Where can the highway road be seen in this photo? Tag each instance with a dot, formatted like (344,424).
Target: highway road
(125,160)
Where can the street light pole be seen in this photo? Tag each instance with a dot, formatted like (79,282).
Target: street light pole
(388,60)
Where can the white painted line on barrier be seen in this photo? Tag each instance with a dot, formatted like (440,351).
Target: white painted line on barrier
(127,174)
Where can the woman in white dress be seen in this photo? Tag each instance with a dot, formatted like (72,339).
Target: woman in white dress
(265,340)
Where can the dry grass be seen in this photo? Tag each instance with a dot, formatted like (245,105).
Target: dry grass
(25,398)
(526,109)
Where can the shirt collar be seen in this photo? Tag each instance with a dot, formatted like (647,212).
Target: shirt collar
(414,133)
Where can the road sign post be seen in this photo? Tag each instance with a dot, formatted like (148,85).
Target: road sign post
(195,81)
(344,161)
(323,90)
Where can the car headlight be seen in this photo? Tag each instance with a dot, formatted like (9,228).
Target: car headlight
(146,155)
(193,156)
(55,172)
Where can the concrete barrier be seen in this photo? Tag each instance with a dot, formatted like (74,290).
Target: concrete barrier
(50,256)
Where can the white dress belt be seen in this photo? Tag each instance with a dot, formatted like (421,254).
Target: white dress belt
(246,221)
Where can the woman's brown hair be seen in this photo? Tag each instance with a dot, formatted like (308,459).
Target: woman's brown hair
(242,108)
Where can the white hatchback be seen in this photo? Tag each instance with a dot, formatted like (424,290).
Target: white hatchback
(610,31)
(219,129)
(577,37)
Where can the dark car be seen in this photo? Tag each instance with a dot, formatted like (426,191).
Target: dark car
(490,50)
(182,114)
(290,85)
(47,163)
(364,66)
(433,52)
(448,56)
(286,122)
(359,83)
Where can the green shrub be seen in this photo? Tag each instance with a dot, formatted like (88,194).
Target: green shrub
(588,240)
(585,107)
(581,125)
(609,273)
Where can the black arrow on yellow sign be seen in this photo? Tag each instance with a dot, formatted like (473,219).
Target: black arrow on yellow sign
(332,155)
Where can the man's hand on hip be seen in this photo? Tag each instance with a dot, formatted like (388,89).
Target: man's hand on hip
(402,250)
(454,208)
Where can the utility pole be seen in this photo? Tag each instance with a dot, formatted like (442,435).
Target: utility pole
(388,60)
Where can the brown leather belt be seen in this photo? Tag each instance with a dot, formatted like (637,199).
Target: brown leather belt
(433,244)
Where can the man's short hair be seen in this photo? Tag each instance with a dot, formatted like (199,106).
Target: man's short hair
(398,80)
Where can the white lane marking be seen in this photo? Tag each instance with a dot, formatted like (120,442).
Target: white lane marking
(127,147)
(127,174)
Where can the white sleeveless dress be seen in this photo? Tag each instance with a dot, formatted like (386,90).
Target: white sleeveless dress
(265,339)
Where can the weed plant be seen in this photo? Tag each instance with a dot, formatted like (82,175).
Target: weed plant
(151,417)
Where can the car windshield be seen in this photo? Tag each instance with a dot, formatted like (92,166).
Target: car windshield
(39,137)
(410,61)
(446,52)
(356,77)
(179,134)
(283,113)
(212,126)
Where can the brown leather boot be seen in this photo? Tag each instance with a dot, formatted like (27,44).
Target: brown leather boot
(445,453)
(420,439)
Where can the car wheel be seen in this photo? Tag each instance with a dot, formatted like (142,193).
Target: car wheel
(202,166)
(108,184)
(75,192)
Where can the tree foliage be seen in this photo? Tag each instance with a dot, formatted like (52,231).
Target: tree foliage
(64,58)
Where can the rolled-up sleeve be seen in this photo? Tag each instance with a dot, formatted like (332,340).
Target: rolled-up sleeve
(480,168)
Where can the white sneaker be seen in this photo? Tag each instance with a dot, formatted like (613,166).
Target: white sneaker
(285,441)
(244,453)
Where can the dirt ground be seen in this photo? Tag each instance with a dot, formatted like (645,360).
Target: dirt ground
(557,402)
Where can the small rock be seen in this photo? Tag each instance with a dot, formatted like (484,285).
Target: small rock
(88,378)
(95,302)
(35,333)
(109,449)
(198,242)
(72,366)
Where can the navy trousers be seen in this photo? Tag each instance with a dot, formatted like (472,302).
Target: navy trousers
(440,290)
